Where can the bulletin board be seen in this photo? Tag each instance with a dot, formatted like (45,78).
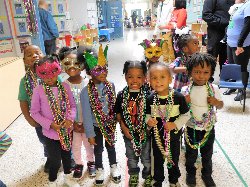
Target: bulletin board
(58,9)
(194,9)
(101,13)
(5,29)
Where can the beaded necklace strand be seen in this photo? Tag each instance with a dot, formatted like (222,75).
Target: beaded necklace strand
(140,128)
(207,122)
(59,107)
(106,122)
(30,82)
(165,115)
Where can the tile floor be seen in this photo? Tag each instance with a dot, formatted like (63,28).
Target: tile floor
(22,164)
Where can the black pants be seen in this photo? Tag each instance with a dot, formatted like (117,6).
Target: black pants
(55,155)
(241,59)
(98,149)
(215,47)
(174,172)
(206,153)
(50,46)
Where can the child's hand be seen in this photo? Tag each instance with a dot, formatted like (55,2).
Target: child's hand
(78,127)
(169,126)
(152,122)
(188,99)
(92,141)
(126,132)
(33,123)
(55,126)
(67,123)
(214,102)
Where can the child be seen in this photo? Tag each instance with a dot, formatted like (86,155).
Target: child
(187,45)
(152,50)
(130,109)
(53,107)
(202,97)
(73,67)
(5,143)
(31,54)
(99,120)
(167,112)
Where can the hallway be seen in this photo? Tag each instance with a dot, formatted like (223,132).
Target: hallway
(22,164)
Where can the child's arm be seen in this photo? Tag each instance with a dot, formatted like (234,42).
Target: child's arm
(35,110)
(25,110)
(124,129)
(176,68)
(216,100)
(5,142)
(87,116)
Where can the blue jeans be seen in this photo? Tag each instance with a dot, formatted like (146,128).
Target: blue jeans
(41,138)
(2,184)
(133,160)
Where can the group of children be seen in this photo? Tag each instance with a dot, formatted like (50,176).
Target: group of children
(151,114)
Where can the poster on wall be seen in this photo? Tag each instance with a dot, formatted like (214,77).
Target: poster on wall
(6,46)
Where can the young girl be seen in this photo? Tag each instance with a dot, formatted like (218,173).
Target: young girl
(99,120)
(32,54)
(130,109)
(54,108)
(73,67)
(167,112)
(186,45)
(203,98)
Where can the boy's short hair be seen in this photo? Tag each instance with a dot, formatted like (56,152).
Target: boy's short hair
(159,64)
(200,59)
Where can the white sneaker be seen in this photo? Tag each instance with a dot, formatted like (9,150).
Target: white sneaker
(99,179)
(175,185)
(68,180)
(52,184)
(115,173)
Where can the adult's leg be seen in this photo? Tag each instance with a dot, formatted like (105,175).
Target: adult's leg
(50,46)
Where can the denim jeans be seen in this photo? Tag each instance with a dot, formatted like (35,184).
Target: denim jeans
(98,149)
(2,184)
(133,160)
(41,138)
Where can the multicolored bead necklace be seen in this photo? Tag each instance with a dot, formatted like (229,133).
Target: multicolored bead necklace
(207,122)
(59,108)
(165,115)
(140,128)
(106,122)
(30,82)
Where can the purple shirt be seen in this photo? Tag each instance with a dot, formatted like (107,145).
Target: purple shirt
(40,110)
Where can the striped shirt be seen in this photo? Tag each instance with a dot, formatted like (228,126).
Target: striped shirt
(5,142)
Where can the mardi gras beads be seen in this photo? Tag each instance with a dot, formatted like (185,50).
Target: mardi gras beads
(30,82)
(165,115)
(59,107)
(208,120)
(135,128)
(106,122)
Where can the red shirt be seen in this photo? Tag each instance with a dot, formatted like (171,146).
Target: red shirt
(179,17)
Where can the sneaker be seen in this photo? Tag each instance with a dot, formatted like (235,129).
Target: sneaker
(115,173)
(133,180)
(91,169)
(191,180)
(46,166)
(68,180)
(175,185)
(73,164)
(78,171)
(99,179)
(147,182)
(52,184)
(208,180)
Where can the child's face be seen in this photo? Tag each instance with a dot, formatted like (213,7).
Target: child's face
(160,79)
(72,70)
(100,78)
(51,81)
(201,75)
(135,78)
(32,54)
(192,47)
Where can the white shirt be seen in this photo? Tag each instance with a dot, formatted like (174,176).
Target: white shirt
(164,15)
(199,104)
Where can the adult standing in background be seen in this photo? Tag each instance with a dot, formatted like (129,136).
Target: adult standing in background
(49,28)
(164,10)
(238,41)
(215,13)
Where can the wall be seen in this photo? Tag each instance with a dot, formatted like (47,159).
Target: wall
(194,9)
(78,11)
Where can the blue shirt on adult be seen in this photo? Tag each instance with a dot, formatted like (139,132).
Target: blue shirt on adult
(236,25)
(49,27)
